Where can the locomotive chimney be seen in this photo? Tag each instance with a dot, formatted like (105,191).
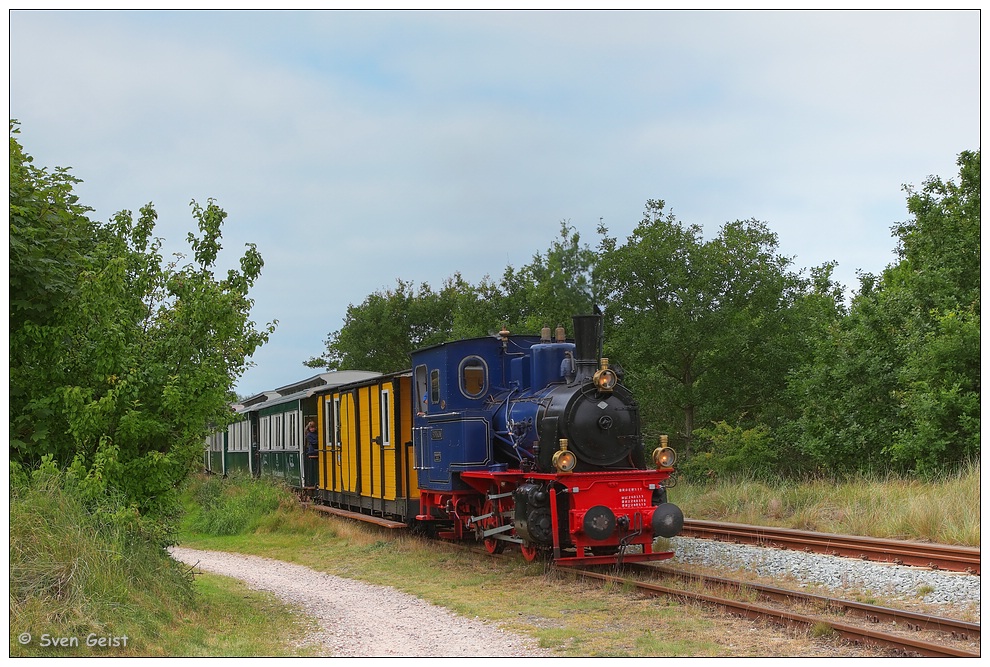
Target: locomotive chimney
(587,337)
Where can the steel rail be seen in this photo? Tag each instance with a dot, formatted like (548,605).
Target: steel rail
(847,631)
(910,620)
(901,552)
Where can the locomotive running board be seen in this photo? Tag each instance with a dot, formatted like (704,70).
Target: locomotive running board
(367,518)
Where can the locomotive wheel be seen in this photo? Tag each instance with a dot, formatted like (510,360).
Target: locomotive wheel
(492,545)
(529,552)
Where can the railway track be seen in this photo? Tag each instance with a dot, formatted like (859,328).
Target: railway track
(900,552)
(902,631)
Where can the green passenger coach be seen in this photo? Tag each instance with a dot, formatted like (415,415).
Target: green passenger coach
(268,437)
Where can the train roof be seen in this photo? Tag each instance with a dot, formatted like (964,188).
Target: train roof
(303,389)
(530,338)
(363,382)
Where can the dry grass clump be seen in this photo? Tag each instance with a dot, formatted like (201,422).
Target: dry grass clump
(944,510)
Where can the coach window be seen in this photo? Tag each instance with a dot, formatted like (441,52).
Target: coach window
(386,417)
(474,377)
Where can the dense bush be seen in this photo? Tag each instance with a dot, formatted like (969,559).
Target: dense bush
(729,451)
(120,362)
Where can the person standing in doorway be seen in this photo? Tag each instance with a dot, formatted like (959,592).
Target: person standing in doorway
(312,453)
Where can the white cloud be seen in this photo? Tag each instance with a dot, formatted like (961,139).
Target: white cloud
(383,145)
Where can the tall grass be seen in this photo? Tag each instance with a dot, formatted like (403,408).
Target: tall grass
(945,510)
(81,572)
(76,570)
(234,505)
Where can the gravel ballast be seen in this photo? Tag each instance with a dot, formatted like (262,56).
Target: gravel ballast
(844,576)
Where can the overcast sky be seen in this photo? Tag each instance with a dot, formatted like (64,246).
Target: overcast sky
(355,148)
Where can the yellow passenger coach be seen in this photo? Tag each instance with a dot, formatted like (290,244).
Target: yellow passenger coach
(366,462)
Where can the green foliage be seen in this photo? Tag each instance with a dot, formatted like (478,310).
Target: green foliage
(941,392)
(79,568)
(732,451)
(233,505)
(707,330)
(552,288)
(50,239)
(897,381)
(119,363)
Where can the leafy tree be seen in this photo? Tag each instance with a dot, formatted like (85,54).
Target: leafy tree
(897,382)
(481,310)
(553,286)
(51,242)
(708,330)
(119,364)
(843,411)
(939,384)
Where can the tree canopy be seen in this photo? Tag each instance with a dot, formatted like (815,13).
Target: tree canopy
(706,329)
(120,362)
(751,364)
(897,382)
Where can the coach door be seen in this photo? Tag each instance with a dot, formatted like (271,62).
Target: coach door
(329,444)
(255,449)
(387,441)
(347,452)
(378,479)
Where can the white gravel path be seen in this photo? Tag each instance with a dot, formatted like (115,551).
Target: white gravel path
(362,620)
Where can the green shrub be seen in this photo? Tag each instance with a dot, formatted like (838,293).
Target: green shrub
(730,451)
(232,506)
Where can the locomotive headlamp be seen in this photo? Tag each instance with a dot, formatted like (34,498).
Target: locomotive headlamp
(563,460)
(605,378)
(664,457)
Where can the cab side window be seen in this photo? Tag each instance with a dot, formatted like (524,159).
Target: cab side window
(473,377)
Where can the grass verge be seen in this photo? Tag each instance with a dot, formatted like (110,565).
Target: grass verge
(84,582)
(80,574)
(945,510)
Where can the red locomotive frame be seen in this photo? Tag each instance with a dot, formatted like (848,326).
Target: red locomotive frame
(486,513)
